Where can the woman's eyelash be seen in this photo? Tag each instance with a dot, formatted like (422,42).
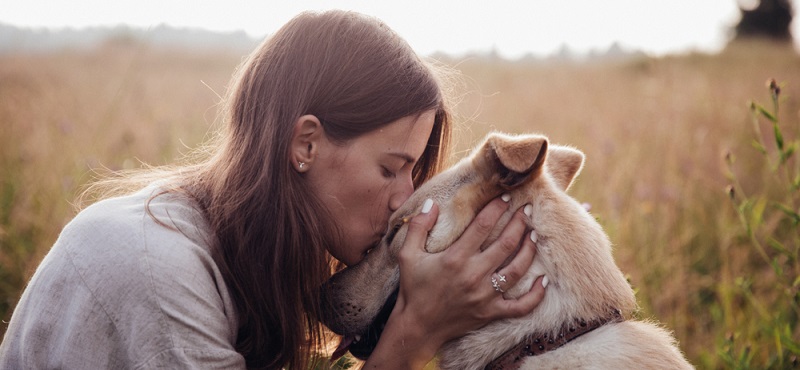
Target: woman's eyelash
(387,172)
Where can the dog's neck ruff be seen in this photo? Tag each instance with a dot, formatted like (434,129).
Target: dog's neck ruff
(537,344)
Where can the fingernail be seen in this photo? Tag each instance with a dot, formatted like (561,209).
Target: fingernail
(506,197)
(534,236)
(528,209)
(426,207)
(545,281)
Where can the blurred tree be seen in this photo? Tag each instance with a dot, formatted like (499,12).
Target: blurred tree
(769,19)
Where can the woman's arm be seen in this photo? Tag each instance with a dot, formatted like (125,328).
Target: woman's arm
(445,295)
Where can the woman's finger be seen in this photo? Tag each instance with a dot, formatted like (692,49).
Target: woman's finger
(479,229)
(507,243)
(523,305)
(511,274)
(421,224)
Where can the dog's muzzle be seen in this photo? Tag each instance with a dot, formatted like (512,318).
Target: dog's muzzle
(363,347)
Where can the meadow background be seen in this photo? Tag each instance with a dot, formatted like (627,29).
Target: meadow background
(664,138)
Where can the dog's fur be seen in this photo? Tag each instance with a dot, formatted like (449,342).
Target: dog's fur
(573,252)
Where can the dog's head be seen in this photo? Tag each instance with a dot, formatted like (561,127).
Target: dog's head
(356,297)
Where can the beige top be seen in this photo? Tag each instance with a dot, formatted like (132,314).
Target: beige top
(119,291)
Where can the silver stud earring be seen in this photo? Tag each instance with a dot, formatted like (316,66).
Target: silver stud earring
(301,164)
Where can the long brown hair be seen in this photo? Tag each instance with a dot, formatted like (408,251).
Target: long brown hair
(271,235)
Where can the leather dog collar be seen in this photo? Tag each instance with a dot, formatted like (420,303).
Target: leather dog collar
(537,344)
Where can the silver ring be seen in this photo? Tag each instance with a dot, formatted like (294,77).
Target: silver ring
(496,280)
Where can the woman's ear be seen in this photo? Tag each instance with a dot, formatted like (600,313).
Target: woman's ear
(306,137)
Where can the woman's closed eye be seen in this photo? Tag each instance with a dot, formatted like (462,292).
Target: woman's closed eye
(388,173)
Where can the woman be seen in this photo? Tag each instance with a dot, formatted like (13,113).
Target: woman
(329,126)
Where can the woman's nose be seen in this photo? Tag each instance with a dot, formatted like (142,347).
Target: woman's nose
(401,194)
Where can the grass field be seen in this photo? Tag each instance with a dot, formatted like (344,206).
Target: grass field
(656,132)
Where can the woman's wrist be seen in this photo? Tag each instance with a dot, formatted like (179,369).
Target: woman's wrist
(404,344)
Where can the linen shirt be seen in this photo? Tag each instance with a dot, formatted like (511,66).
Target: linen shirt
(120,291)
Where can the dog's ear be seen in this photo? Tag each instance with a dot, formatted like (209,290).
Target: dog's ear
(564,164)
(515,158)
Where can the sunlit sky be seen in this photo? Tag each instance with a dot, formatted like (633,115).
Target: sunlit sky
(512,27)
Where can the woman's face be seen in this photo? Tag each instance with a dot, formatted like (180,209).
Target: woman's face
(362,182)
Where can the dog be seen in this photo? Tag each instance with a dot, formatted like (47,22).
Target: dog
(584,320)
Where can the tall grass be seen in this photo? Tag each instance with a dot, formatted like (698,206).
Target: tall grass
(65,117)
(768,212)
(655,131)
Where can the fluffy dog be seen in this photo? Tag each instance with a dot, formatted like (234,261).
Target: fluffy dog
(584,319)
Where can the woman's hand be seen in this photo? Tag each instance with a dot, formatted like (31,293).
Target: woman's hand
(446,295)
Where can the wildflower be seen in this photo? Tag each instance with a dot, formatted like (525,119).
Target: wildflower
(773,87)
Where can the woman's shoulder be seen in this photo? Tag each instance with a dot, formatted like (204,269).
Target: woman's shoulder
(146,259)
(150,231)
(150,217)
(146,207)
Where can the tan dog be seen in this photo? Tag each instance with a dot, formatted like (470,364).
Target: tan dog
(581,321)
